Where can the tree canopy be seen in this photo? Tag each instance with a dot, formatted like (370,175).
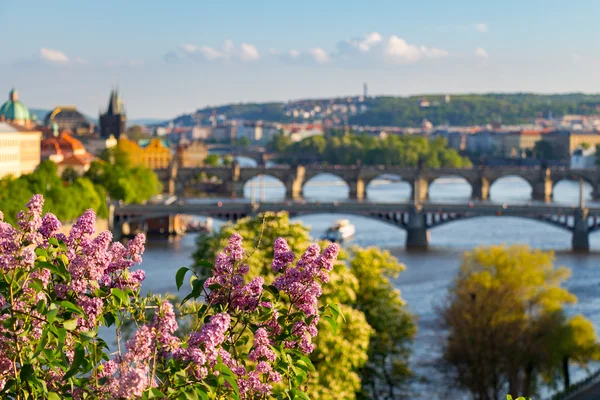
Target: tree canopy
(347,149)
(506,323)
(122,181)
(359,281)
(67,199)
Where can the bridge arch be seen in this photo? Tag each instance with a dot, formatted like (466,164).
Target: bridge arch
(268,185)
(326,186)
(566,190)
(510,187)
(388,188)
(450,187)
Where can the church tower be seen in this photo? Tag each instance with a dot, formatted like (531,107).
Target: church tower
(113,121)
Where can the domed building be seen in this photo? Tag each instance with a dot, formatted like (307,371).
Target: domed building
(14,111)
(69,118)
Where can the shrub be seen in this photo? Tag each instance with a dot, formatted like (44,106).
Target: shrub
(57,290)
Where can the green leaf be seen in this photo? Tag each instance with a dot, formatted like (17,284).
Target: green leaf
(67,305)
(191,395)
(53,241)
(53,396)
(26,372)
(78,358)
(70,324)
(156,394)
(332,322)
(41,252)
(51,315)
(180,276)
(109,319)
(204,263)
(121,295)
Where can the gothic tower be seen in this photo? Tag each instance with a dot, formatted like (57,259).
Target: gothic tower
(113,121)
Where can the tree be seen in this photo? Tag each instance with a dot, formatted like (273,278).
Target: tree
(506,324)
(136,132)
(212,159)
(69,175)
(386,372)
(543,150)
(358,284)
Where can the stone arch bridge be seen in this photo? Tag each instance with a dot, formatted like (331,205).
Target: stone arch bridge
(234,177)
(416,220)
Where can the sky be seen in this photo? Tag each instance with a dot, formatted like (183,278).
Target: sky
(172,57)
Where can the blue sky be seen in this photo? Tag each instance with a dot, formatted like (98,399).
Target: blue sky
(171,57)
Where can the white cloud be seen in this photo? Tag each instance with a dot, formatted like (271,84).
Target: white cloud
(53,56)
(246,52)
(367,49)
(481,27)
(399,51)
(319,55)
(479,52)
(249,52)
(367,41)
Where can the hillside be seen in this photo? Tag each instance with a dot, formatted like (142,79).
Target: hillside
(466,109)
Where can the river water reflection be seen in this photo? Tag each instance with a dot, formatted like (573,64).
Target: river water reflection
(428,274)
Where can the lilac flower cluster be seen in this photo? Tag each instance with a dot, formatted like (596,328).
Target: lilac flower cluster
(227,283)
(91,263)
(82,270)
(302,284)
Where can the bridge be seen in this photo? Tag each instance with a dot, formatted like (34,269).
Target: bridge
(416,219)
(542,180)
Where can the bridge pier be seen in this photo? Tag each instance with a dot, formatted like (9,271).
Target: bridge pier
(419,189)
(293,186)
(357,189)
(542,188)
(480,189)
(417,234)
(580,241)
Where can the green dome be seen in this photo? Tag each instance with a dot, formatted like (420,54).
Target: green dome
(13,109)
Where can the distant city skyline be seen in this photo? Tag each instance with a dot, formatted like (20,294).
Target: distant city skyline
(173,57)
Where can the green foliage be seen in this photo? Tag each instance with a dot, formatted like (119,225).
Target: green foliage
(66,199)
(212,159)
(506,323)
(386,372)
(360,285)
(121,181)
(474,109)
(543,150)
(393,150)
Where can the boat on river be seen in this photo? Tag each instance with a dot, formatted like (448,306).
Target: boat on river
(340,230)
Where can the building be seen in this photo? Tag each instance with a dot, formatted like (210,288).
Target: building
(19,149)
(483,142)
(96,146)
(15,112)
(516,144)
(113,121)
(66,151)
(224,133)
(71,119)
(583,157)
(251,130)
(297,132)
(201,132)
(153,153)
(192,154)
(564,143)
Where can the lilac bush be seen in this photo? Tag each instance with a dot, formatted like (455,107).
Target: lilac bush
(250,341)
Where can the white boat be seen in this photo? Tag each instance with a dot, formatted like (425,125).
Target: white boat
(340,231)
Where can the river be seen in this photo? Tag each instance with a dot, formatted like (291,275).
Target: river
(428,274)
